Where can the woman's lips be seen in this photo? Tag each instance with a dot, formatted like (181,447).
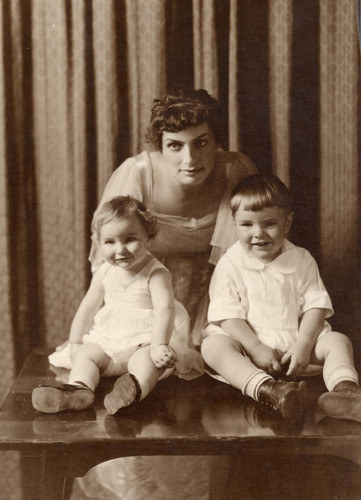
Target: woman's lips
(191,171)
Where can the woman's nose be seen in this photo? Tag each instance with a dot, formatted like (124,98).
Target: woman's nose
(188,154)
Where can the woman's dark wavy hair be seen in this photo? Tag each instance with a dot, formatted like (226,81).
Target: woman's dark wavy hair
(257,192)
(125,206)
(182,108)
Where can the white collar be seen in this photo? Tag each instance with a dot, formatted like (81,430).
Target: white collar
(287,262)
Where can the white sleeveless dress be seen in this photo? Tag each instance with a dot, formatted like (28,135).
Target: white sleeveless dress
(125,321)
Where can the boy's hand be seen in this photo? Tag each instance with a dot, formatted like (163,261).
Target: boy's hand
(266,358)
(299,356)
(162,356)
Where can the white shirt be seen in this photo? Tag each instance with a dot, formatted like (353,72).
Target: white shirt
(270,297)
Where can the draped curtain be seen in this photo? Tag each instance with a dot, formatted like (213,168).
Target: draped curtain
(77,80)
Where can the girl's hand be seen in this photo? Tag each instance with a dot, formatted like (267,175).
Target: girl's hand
(299,356)
(162,356)
(266,358)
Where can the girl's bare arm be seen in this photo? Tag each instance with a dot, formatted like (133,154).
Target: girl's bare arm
(89,306)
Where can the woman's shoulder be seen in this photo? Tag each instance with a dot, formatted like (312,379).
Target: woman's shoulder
(132,177)
(237,165)
(235,158)
(138,163)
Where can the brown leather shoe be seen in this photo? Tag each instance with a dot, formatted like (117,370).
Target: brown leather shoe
(343,402)
(289,398)
(53,399)
(125,391)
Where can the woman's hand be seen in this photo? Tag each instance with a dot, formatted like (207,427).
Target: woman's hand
(299,357)
(162,356)
(266,358)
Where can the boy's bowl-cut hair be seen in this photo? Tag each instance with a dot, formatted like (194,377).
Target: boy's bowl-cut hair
(258,192)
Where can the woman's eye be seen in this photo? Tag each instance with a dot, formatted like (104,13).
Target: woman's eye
(174,146)
(200,143)
(246,224)
(130,240)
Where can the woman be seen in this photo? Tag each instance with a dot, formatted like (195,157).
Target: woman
(186,181)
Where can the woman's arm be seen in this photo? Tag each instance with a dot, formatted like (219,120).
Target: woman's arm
(89,306)
(163,318)
(299,355)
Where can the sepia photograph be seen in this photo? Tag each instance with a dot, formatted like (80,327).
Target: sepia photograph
(180,250)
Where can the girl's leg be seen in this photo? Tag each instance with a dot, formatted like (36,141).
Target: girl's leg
(286,397)
(140,380)
(142,367)
(88,362)
(78,394)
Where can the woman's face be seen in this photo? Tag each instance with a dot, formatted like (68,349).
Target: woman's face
(189,154)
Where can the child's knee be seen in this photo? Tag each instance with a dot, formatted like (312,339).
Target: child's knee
(210,348)
(79,352)
(341,338)
(91,352)
(337,342)
(138,358)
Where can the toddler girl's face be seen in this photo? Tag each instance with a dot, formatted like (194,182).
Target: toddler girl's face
(262,233)
(124,243)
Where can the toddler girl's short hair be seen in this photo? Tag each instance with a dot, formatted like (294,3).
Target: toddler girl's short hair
(182,108)
(257,192)
(122,207)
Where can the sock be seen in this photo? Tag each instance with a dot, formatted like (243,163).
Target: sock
(80,384)
(88,382)
(254,382)
(340,374)
(144,389)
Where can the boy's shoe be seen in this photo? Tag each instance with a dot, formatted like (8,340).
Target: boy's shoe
(289,398)
(126,391)
(53,399)
(343,402)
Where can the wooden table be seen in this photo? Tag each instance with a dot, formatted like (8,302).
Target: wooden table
(201,417)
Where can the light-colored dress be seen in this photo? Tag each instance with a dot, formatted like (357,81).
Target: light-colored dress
(126,319)
(125,322)
(270,297)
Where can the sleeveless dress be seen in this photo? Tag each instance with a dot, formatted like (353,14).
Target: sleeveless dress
(125,321)
(200,244)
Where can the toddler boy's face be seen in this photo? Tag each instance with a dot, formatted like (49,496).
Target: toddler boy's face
(262,233)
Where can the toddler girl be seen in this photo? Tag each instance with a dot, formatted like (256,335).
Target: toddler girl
(131,333)
(268,308)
